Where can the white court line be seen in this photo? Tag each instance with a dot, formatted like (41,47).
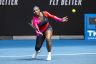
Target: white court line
(52,55)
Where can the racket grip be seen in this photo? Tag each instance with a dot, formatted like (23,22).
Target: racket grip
(30,24)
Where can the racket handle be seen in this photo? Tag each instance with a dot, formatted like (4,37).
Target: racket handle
(30,24)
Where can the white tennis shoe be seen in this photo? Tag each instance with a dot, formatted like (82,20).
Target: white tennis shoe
(35,54)
(49,56)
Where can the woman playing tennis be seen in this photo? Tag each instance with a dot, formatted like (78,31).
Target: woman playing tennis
(43,29)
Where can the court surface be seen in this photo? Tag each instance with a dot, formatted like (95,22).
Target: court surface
(63,52)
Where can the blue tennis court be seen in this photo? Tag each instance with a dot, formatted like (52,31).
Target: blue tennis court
(63,52)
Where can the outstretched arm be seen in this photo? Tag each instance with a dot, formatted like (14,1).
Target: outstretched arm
(47,14)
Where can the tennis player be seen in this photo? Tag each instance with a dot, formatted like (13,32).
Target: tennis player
(43,29)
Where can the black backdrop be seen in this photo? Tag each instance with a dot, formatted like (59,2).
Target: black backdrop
(14,19)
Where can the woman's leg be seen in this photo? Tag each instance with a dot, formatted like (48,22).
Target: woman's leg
(48,36)
(39,42)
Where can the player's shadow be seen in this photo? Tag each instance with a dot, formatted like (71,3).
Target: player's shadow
(30,59)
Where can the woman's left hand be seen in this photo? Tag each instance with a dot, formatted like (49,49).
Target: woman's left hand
(65,19)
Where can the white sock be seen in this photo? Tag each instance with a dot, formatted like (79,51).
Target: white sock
(49,56)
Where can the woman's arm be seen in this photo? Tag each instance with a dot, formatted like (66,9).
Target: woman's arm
(35,25)
(47,14)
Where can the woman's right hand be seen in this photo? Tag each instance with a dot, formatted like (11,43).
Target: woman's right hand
(39,33)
